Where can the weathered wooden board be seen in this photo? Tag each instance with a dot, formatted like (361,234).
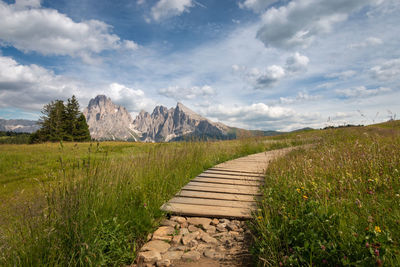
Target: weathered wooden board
(229,189)
(212,195)
(207,211)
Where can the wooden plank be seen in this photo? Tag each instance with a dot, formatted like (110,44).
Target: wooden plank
(214,202)
(226,181)
(209,211)
(237,171)
(228,186)
(222,190)
(232,174)
(236,174)
(211,195)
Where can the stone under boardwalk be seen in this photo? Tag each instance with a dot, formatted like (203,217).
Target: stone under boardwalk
(227,190)
(208,227)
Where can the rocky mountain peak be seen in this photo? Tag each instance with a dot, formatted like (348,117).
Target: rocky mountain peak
(109,121)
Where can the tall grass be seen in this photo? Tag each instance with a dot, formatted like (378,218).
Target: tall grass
(98,210)
(336,203)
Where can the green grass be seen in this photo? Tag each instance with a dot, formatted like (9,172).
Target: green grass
(336,203)
(97,203)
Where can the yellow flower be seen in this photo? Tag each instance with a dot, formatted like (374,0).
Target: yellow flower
(298,190)
(259,218)
(302,187)
(378,229)
(305,197)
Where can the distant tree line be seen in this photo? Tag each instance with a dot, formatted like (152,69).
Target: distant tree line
(62,122)
(8,137)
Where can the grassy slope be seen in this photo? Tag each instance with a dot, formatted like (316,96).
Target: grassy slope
(99,206)
(337,203)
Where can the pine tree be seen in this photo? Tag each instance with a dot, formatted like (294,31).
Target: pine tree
(81,132)
(62,122)
(72,115)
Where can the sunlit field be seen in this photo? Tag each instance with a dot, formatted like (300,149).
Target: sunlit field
(94,203)
(336,203)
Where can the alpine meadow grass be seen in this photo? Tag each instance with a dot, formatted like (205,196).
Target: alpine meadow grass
(336,203)
(98,207)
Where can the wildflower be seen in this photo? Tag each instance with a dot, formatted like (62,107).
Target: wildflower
(323,247)
(259,218)
(305,197)
(298,190)
(302,187)
(367,245)
(324,261)
(376,252)
(145,205)
(378,229)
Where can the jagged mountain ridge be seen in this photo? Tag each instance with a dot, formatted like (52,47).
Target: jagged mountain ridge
(19,126)
(108,121)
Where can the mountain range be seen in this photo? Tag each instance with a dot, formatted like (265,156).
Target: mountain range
(108,121)
(19,126)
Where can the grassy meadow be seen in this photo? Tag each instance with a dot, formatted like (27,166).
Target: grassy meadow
(94,203)
(336,203)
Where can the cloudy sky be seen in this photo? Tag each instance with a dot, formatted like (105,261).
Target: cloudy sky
(256,64)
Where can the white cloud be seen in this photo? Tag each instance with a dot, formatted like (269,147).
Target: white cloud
(389,70)
(132,99)
(255,112)
(297,63)
(31,86)
(301,97)
(361,91)
(370,41)
(164,9)
(269,77)
(342,75)
(180,93)
(257,6)
(28,27)
(297,23)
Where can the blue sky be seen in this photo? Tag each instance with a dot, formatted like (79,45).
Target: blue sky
(256,64)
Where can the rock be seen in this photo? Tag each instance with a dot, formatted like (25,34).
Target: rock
(211,229)
(191,255)
(215,222)
(179,248)
(148,257)
(164,233)
(192,228)
(208,239)
(176,239)
(193,243)
(178,219)
(209,253)
(220,248)
(233,233)
(166,222)
(163,263)
(221,227)
(224,221)
(189,237)
(236,222)
(149,236)
(184,231)
(204,222)
(239,238)
(232,227)
(201,247)
(156,245)
(173,255)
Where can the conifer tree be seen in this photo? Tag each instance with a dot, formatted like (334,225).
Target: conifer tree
(62,122)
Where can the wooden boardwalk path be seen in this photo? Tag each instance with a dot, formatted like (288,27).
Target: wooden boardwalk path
(229,189)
